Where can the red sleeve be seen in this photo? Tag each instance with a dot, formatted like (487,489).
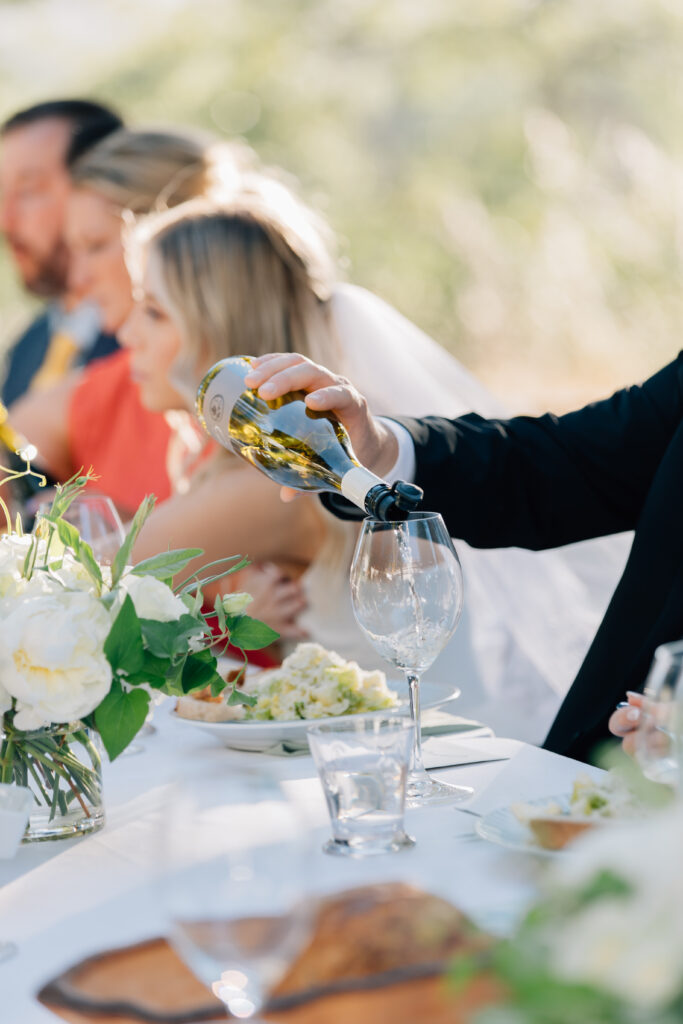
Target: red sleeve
(111,431)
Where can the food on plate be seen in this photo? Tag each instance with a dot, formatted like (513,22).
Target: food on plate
(557,823)
(311,683)
(202,706)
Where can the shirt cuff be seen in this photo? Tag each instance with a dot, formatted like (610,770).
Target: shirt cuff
(405,465)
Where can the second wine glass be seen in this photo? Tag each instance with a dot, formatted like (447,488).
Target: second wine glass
(99,524)
(407,593)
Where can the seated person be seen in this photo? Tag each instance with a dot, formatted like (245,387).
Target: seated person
(38,144)
(94,416)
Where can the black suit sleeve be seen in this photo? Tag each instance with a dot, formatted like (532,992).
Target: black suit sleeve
(540,482)
(546,481)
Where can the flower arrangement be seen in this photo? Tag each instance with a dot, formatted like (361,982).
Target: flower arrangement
(604,945)
(84,646)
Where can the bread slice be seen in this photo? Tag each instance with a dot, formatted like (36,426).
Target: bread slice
(556,832)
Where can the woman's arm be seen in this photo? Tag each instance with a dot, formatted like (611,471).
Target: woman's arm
(42,418)
(234,511)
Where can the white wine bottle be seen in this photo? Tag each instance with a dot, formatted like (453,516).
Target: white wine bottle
(292,444)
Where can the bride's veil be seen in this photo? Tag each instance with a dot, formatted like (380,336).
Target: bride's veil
(531,615)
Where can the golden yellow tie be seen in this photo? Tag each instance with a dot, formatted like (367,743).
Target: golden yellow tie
(59,357)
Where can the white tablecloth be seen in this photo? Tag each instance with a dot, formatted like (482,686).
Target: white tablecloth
(62,901)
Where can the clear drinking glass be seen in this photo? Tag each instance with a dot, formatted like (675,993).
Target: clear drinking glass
(660,727)
(407,593)
(238,861)
(363,767)
(99,524)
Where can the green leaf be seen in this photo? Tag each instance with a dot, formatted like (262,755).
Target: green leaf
(167,564)
(166,639)
(220,612)
(250,634)
(200,671)
(123,647)
(71,538)
(240,697)
(87,559)
(124,553)
(154,671)
(120,716)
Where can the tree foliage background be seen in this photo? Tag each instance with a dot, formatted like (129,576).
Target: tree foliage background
(506,172)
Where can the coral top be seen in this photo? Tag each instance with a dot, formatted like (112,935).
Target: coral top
(108,429)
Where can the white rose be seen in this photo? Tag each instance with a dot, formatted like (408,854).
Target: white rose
(234,604)
(13,551)
(631,945)
(51,656)
(73,575)
(152,598)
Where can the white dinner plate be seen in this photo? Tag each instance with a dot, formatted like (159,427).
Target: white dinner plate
(504,828)
(263,735)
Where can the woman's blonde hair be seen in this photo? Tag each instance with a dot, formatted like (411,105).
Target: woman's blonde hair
(245,273)
(143,170)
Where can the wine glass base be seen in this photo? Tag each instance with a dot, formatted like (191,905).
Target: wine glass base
(368,847)
(423,790)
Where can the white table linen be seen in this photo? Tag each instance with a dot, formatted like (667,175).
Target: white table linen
(62,901)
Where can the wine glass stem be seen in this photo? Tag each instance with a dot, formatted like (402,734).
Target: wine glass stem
(413,679)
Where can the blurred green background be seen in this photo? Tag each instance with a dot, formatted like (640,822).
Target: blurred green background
(508,173)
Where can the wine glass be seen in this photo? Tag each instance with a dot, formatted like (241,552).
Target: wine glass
(237,852)
(660,727)
(407,593)
(99,524)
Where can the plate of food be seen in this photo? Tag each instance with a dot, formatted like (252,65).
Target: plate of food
(311,684)
(548,825)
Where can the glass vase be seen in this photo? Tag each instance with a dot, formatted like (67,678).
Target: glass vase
(62,766)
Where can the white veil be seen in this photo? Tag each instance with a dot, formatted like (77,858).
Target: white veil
(530,615)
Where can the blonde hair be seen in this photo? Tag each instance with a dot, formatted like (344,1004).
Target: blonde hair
(145,170)
(245,273)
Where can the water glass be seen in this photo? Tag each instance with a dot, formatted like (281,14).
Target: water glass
(661,722)
(363,767)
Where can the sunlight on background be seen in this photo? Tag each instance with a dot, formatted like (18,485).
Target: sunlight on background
(508,173)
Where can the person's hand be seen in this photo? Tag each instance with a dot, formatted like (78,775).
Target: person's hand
(626,720)
(278,599)
(276,374)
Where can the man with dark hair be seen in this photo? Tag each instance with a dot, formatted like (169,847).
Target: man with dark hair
(38,146)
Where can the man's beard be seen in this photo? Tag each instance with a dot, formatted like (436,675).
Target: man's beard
(47,276)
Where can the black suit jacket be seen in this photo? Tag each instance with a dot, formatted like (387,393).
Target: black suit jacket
(547,481)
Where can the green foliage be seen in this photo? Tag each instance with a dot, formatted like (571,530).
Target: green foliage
(249,634)
(166,565)
(123,647)
(123,555)
(120,716)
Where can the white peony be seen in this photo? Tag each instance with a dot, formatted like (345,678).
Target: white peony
(51,655)
(235,604)
(13,551)
(632,946)
(152,598)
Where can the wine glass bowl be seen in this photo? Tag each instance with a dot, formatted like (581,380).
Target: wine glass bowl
(98,523)
(407,595)
(237,857)
(661,726)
